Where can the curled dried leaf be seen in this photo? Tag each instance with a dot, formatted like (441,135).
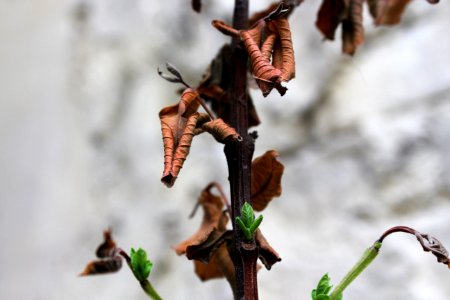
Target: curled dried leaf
(389,12)
(196,5)
(428,242)
(256,31)
(433,245)
(287,49)
(110,261)
(352,27)
(261,67)
(103,266)
(265,74)
(179,124)
(221,131)
(266,253)
(220,265)
(225,28)
(108,247)
(330,15)
(213,221)
(266,179)
(268,45)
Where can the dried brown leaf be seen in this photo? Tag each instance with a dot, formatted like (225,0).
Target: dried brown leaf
(179,125)
(213,221)
(266,179)
(103,266)
(196,5)
(261,67)
(352,27)
(219,266)
(225,28)
(389,12)
(266,253)
(287,49)
(110,261)
(108,247)
(268,45)
(221,131)
(330,15)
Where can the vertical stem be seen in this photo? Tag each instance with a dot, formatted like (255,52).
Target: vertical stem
(239,157)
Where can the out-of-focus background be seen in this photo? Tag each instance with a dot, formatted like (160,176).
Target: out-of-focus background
(365,142)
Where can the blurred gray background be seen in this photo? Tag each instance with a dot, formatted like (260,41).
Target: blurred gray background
(365,142)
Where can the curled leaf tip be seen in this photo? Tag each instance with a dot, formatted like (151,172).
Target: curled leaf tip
(225,28)
(428,243)
(109,261)
(221,131)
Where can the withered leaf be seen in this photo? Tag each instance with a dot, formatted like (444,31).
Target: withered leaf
(215,239)
(221,131)
(213,220)
(196,5)
(349,12)
(262,70)
(266,254)
(352,27)
(287,49)
(225,28)
(179,124)
(110,261)
(389,12)
(330,15)
(433,245)
(108,247)
(428,242)
(266,179)
(219,266)
(103,266)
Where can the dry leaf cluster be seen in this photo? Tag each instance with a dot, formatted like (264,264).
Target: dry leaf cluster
(349,13)
(269,45)
(208,247)
(179,124)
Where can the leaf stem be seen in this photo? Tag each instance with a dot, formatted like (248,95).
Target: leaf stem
(149,290)
(365,260)
(206,108)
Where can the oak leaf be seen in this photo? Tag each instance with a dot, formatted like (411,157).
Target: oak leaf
(266,179)
(179,124)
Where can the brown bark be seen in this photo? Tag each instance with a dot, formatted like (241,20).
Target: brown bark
(239,159)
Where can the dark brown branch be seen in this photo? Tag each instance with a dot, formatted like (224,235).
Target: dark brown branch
(239,157)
